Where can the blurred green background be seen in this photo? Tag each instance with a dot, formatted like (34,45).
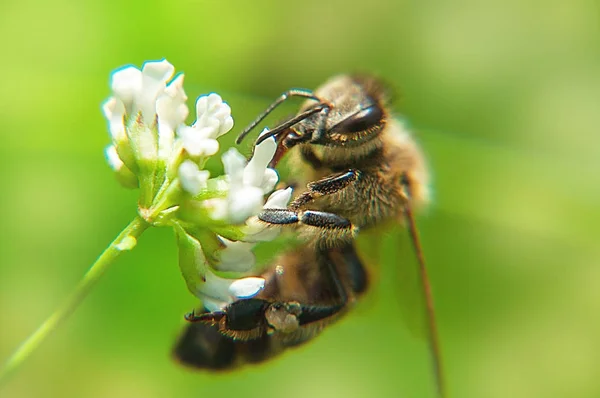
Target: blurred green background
(504,97)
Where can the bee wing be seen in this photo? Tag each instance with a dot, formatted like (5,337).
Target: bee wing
(385,251)
(411,282)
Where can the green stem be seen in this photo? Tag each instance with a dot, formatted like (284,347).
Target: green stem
(124,242)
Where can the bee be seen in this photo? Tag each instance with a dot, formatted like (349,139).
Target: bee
(363,170)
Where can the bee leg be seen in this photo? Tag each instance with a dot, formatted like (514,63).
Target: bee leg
(340,230)
(288,317)
(325,186)
(318,313)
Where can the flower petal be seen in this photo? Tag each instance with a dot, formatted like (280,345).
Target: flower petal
(218,208)
(215,286)
(236,257)
(279,199)
(114,111)
(155,75)
(192,179)
(247,287)
(126,84)
(254,173)
(211,304)
(197,142)
(244,203)
(113,159)
(269,181)
(211,111)
(234,164)
(256,230)
(171,111)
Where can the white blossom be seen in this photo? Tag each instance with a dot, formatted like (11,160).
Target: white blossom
(153,149)
(279,199)
(237,256)
(114,111)
(198,142)
(138,90)
(193,180)
(245,288)
(212,112)
(234,163)
(256,172)
(216,293)
(113,159)
(126,85)
(211,304)
(249,181)
(171,111)
(155,76)
(217,207)
(213,119)
(256,230)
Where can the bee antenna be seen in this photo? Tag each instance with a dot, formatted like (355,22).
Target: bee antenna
(295,120)
(434,344)
(295,92)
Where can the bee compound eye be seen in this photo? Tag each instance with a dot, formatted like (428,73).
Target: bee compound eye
(362,120)
(283,317)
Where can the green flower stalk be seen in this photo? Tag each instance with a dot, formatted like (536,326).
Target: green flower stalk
(214,218)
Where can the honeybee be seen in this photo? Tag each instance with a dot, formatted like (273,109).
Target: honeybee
(362,170)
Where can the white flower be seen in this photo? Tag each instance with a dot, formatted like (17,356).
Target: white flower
(216,293)
(279,199)
(217,207)
(113,159)
(197,142)
(256,173)
(114,111)
(162,108)
(193,180)
(138,89)
(171,111)
(245,288)
(155,76)
(249,181)
(212,112)
(154,150)
(237,256)
(126,84)
(256,230)
(243,200)
(213,119)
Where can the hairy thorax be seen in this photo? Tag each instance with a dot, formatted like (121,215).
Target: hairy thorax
(376,195)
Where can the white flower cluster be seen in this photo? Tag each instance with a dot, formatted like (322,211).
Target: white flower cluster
(153,149)
(248,183)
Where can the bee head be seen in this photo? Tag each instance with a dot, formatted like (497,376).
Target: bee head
(347,113)
(354,112)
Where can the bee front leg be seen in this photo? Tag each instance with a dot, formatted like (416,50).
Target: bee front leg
(325,186)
